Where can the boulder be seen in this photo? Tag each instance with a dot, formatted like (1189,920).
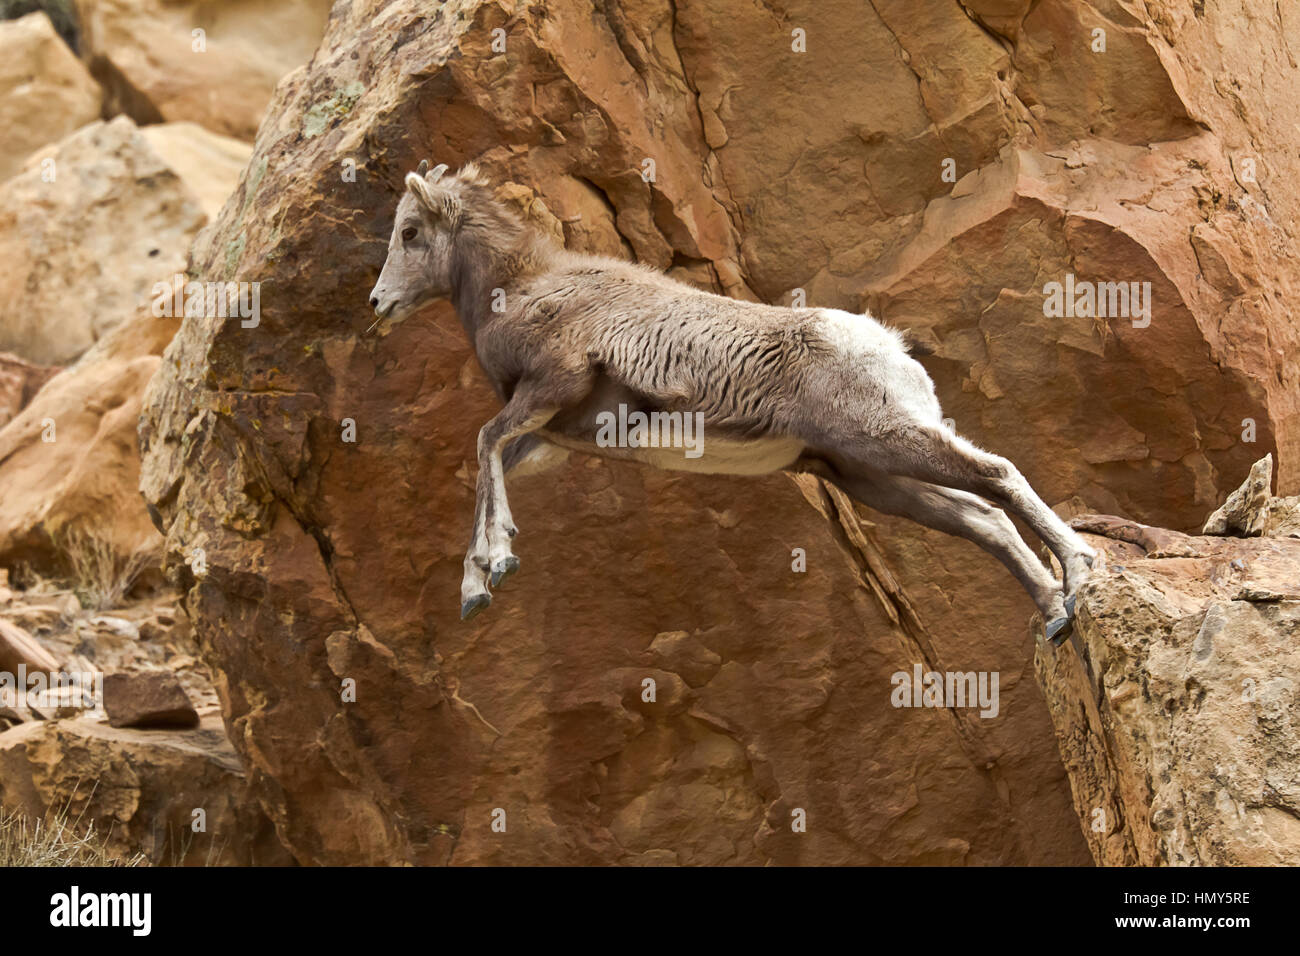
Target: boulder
(188,61)
(68,462)
(62,14)
(88,251)
(147,699)
(45,91)
(209,164)
(1175,710)
(143,791)
(84,240)
(1251,510)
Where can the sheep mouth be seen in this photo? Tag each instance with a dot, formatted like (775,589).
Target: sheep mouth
(381,314)
(400,310)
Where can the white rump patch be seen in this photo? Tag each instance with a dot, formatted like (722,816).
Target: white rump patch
(859,333)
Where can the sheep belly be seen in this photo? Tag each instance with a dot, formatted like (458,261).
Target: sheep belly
(720,456)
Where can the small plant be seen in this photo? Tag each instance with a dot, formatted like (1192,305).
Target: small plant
(101,575)
(62,842)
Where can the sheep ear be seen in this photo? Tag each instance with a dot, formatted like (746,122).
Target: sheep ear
(441,203)
(423,168)
(418,185)
(438,170)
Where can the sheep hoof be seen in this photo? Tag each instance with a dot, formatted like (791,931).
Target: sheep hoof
(1058,629)
(475,604)
(1069,606)
(502,568)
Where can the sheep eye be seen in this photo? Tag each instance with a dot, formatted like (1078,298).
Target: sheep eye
(408,233)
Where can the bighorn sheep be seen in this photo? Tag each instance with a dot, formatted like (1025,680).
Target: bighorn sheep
(569,340)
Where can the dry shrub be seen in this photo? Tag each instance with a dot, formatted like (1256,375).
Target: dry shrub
(62,842)
(101,576)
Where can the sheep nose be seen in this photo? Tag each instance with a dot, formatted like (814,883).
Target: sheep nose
(374,302)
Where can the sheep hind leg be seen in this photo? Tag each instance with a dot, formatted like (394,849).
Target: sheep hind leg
(934,454)
(962,515)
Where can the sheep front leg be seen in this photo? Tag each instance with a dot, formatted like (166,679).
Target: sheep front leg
(474,594)
(489,559)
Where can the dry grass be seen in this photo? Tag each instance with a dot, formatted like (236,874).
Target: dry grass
(101,577)
(65,842)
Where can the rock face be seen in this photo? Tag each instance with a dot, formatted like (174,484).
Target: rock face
(194,61)
(45,91)
(84,241)
(1178,723)
(800,151)
(140,789)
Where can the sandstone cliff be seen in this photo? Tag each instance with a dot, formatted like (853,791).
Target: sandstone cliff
(1160,157)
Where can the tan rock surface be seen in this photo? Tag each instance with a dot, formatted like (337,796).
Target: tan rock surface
(139,789)
(156,68)
(68,461)
(18,648)
(210,164)
(1251,510)
(20,380)
(82,252)
(45,91)
(1177,725)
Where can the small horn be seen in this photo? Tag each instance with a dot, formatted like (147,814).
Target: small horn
(437,172)
(423,168)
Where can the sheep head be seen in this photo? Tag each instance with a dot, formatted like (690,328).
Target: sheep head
(418,268)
